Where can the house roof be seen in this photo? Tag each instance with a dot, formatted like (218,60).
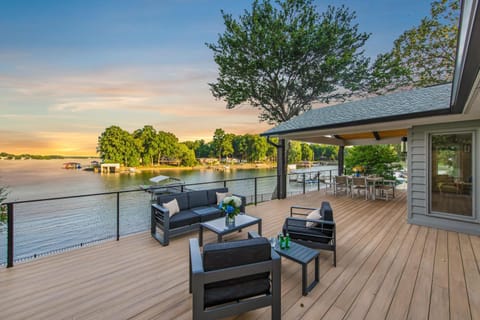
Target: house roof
(400,110)
(395,106)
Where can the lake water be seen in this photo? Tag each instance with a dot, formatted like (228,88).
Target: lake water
(47,226)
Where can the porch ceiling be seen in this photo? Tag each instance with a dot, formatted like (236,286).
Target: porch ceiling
(355,137)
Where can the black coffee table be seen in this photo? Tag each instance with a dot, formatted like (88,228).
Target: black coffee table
(219,226)
(302,255)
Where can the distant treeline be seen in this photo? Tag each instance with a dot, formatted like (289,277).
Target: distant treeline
(23,156)
(150,147)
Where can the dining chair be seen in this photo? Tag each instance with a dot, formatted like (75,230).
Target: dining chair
(359,184)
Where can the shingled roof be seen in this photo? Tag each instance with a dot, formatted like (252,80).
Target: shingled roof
(395,106)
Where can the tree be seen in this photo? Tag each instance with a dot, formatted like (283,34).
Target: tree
(147,138)
(167,146)
(294,152)
(421,56)
(257,148)
(3,209)
(186,155)
(282,57)
(116,145)
(376,159)
(240,146)
(307,152)
(222,143)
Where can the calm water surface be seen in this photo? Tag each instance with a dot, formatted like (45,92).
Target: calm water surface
(47,226)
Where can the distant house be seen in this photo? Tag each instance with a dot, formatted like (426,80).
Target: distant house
(441,124)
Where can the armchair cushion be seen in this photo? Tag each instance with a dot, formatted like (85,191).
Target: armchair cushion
(314,215)
(326,211)
(223,255)
(297,230)
(235,253)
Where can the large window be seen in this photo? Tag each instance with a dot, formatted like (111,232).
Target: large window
(451,184)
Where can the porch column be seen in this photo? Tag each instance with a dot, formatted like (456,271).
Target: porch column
(282,169)
(340,157)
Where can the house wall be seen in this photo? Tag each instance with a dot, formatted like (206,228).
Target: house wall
(419,178)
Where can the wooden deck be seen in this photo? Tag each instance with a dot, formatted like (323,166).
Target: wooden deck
(387,269)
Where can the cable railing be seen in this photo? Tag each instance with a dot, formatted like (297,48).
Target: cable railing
(39,227)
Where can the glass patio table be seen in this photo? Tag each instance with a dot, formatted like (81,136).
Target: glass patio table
(220,227)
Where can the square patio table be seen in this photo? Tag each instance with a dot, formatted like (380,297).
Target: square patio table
(219,226)
(302,255)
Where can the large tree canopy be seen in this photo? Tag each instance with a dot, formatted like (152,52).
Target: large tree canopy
(282,57)
(423,55)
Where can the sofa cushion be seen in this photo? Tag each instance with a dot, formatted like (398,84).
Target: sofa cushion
(197,198)
(212,195)
(182,199)
(208,213)
(184,218)
(235,253)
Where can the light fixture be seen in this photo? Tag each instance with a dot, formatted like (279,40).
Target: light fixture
(403,145)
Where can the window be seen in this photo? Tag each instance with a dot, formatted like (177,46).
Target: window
(451,177)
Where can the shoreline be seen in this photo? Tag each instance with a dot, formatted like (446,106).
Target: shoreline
(244,166)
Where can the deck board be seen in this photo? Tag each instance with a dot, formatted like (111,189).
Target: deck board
(386,268)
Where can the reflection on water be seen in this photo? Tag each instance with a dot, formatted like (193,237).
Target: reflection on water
(46,226)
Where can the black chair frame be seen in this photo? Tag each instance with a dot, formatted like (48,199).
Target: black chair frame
(199,278)
(323,242)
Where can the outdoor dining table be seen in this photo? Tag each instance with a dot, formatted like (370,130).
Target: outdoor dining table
(372,183)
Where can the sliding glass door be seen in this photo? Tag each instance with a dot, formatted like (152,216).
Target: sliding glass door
(451,173)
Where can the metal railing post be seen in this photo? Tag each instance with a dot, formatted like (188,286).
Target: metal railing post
(318,181)
(118,216)
(224,183)
(330,175)
(10,251)
(304,183)
(255,190)
(278,189)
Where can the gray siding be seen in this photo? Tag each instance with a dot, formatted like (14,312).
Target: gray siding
(418,178)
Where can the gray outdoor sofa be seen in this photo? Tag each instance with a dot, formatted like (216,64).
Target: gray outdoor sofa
(195,207)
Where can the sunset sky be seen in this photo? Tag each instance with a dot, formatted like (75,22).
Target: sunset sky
(70,69)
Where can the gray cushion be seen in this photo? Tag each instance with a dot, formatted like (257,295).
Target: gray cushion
(184,218)
(326,211)
(235,253)
(299,231)
(242,288)
(182,199)
(212,195)
(208,213)
(197,198)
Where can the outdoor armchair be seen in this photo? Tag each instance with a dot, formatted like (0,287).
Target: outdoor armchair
(319,234)
(234,277)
